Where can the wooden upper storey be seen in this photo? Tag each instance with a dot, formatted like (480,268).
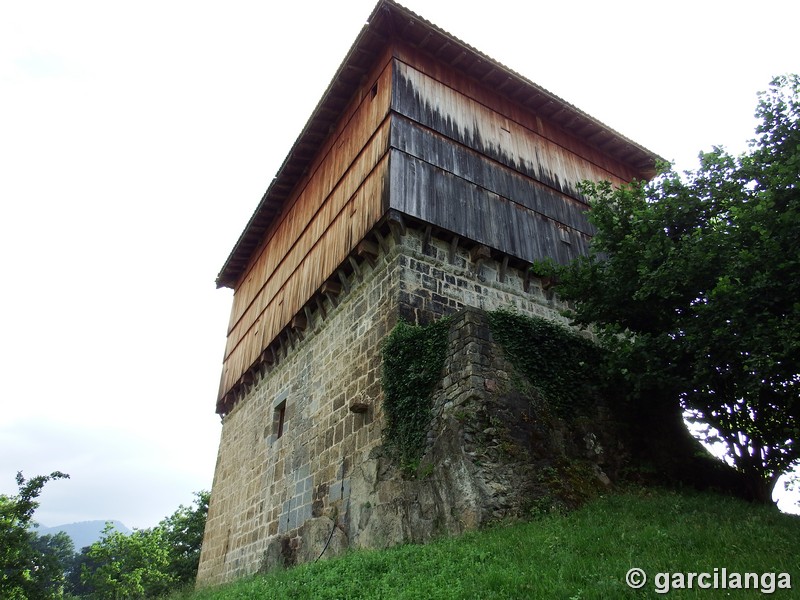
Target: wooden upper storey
(417,121)
(388,23)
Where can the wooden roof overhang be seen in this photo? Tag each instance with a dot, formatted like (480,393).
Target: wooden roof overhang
(390,21)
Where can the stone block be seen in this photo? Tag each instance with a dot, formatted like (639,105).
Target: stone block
(303,471)
(335,492)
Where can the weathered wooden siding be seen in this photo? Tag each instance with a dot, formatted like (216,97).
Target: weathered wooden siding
(330,213)
(441,198)
(440,86)
(463,162)
(466,167)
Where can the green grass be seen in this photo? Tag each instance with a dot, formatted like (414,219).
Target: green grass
(580,556)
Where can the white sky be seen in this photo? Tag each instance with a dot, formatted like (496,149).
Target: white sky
(136,139)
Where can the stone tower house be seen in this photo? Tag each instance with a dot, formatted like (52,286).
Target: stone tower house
(427,180)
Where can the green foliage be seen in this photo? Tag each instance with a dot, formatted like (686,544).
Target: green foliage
(128,566)
(562,366)
(25,570)
(693,284)
(583,555)
(57,553)
(148,562)
(413,358)
(183,533)
(81,562)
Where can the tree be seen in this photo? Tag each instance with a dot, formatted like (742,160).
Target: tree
(145,563)
(22,566)
(693,282)
(183,531)
(81,563)
(56,552)
(127,566)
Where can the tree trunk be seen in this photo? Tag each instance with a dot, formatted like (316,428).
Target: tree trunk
(760,486)
(662,442)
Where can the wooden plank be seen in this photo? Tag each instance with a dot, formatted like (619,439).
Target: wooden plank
(471,212)
(382,242)
(396,223)
(309,276)
(343,149)
(356,268)
(299,321)
(367,250)
(320,306)
(451,255)
(480,253)
(462,118)
(513,110)
(487,173)
(343,279)
(331,287)
(285,265)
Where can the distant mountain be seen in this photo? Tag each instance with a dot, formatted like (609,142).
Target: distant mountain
(84,533)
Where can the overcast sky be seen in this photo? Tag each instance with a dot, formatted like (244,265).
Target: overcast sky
(136,139)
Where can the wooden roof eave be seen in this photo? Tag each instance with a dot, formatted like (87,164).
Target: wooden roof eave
(318,127)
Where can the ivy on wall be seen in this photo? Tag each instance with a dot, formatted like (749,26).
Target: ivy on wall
(563,367)
(413,358)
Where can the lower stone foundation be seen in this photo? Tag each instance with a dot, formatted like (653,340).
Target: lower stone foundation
(301,472)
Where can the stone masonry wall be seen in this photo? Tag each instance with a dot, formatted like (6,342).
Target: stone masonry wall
(490,455)
(324,485)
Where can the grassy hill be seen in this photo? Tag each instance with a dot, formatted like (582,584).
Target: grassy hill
(583,555)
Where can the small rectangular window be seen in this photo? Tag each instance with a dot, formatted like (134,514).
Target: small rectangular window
(279,419)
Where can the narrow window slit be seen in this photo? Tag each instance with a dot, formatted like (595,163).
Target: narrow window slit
(279,419)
